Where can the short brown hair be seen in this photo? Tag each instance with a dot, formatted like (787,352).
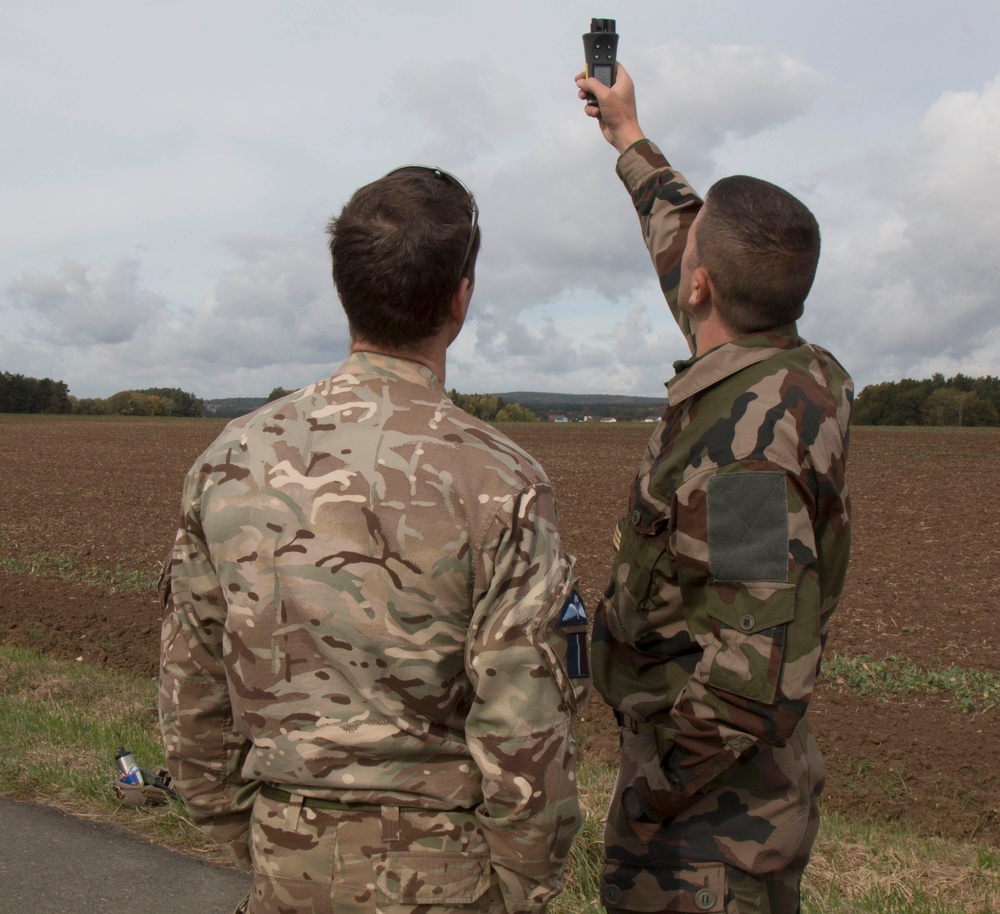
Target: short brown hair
(397,249)
(761,246)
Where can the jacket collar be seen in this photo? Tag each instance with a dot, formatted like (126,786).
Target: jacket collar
(698,373)
(375,364)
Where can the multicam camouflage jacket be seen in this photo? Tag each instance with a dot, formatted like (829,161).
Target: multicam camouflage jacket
(368,601)
(730,563)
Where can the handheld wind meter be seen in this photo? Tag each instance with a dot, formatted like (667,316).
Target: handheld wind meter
(600,51)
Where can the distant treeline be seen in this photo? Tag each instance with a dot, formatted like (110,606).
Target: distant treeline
(960,400)
(578,407)
(21,394)
(488,407)
(491,408)
(153,401)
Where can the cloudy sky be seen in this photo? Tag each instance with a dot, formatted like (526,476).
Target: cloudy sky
(168,168)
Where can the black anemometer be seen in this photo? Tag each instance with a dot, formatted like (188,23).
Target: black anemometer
(600,52)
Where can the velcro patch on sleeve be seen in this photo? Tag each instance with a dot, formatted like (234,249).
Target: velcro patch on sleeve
(748,527)
(573,622)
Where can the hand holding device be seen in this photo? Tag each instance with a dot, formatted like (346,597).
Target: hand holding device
(600,52)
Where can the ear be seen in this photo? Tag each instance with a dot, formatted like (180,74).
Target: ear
(459,308)
(701,288)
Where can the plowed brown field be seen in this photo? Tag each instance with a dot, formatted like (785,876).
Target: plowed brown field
(97,495)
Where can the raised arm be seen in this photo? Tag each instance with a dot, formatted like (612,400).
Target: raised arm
(664,201)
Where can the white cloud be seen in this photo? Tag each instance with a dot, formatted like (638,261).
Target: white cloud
(639,346)
(627,350)
(205,180)
(696,97)
(199,74)
(144,133)
(274,320)
(460,112)
(503,352)
(278,308)
(87,306)
(559,225)
(908,271)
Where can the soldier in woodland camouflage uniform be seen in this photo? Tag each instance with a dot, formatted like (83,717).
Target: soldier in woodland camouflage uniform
(731,558)
(373,649)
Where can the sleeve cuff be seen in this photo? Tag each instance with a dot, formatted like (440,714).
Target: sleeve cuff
(640,162)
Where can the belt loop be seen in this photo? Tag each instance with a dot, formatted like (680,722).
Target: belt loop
(390,824)
(293,810)
(639,727)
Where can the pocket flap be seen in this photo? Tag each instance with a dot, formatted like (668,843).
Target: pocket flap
(694,889)
(431,877)
(751,607)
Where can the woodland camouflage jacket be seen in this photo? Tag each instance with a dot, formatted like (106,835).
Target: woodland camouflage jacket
(368,601)
(731,560)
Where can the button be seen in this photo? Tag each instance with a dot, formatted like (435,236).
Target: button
(636,516)
(704,899)
(747,622)
(612,894)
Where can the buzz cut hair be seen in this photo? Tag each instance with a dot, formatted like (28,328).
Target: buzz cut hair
(760,245)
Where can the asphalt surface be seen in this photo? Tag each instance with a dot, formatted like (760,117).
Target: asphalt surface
(53,863)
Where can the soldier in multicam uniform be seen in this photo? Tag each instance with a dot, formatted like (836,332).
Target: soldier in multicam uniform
(373,648)
(732,557)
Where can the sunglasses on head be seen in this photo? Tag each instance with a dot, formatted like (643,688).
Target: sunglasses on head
(448,178)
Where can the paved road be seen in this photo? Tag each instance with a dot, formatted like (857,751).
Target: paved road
(53,863)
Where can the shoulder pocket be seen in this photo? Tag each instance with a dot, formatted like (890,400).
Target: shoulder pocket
(644,558)
(750,622)
(561,638)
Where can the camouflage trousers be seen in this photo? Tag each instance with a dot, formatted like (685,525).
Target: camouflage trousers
(689,864)
(369,861)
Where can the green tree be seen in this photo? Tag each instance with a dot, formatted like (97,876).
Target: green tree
(514,412)
(943,407)
(153,401)
(21,394)
(980,412)
(175,402)
(91,406)
(277,393)
(937,400)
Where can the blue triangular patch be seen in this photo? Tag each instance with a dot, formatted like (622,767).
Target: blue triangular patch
(573,612)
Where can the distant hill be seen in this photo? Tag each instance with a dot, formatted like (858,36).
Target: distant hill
(233,407)
(596,406)
(542,404)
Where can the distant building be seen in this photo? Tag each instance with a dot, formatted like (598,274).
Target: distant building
(559,419)
(609,419)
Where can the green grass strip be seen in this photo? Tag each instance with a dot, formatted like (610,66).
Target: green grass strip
(66,568)
(973,691)
(61,723)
